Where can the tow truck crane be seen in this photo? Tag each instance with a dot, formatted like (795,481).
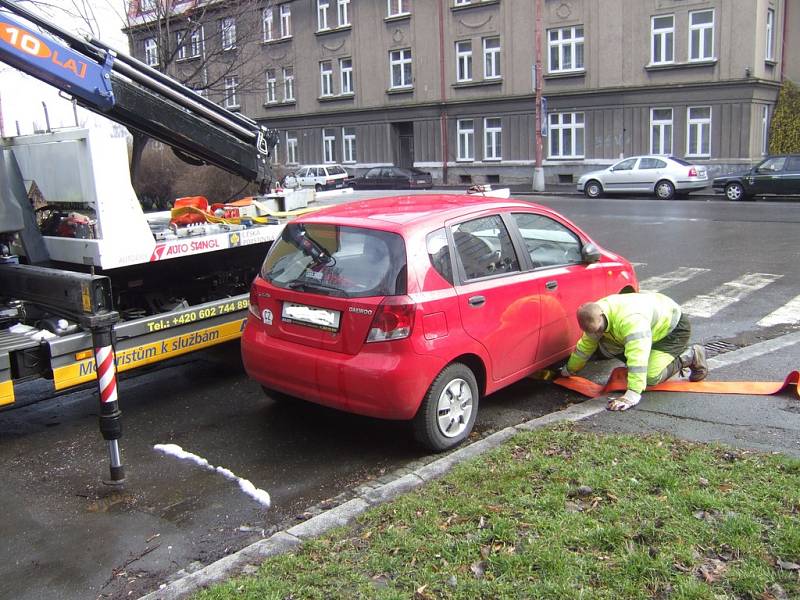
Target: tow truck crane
(99,283)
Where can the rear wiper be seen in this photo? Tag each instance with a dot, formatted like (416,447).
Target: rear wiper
(316,286)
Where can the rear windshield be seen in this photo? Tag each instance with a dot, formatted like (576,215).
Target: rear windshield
(336,171)
(680,161)
(333,260)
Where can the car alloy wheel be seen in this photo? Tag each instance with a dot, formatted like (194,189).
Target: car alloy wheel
(447,414)
(734,191)
(593,189)
(665,190)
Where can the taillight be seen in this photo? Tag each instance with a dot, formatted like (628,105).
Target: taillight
(329,182)
(392,321)
(253,307)
(692,172)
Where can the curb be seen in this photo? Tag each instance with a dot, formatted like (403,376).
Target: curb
(248,559)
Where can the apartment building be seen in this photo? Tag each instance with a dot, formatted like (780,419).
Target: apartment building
(449,85)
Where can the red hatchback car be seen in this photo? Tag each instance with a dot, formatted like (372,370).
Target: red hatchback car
(415,307)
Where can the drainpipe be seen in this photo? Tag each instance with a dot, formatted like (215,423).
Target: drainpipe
(783,39)
(538,171)
(442,93)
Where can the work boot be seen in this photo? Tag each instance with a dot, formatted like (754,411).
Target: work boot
(694,357)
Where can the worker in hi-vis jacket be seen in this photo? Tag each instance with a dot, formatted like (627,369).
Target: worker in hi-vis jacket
(648,332)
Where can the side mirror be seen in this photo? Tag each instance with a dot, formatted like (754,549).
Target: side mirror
(590,253)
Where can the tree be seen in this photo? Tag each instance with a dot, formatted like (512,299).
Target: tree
(784,135)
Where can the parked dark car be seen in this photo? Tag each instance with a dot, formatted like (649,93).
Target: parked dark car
(773,176)
(393,178)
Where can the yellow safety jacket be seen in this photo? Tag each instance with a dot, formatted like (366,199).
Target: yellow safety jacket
(635,322)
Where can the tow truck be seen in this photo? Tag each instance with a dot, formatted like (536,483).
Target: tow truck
(89,282)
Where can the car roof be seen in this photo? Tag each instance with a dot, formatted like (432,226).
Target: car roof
(320,165)
(403,213)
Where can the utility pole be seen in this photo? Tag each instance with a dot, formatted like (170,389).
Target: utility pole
(538,170)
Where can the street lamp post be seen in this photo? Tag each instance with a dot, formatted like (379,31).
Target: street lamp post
(538,170)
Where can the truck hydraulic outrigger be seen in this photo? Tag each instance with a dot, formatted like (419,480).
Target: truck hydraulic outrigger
(133,94)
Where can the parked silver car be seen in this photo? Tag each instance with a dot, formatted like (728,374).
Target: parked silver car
(663,176)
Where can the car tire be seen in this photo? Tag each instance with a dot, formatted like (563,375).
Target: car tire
(734,191)
(318,187)
(593,189)
(279,398)
(664,190)
(447,413)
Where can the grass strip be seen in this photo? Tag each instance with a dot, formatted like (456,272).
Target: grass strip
(558,513)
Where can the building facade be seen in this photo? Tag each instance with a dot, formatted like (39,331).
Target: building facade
(449,85)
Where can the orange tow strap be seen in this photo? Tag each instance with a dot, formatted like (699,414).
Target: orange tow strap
(618,381)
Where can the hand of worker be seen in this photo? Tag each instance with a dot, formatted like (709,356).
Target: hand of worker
(565,372)
(629,399)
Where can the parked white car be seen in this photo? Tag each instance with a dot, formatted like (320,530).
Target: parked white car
(320,177)
(663,176)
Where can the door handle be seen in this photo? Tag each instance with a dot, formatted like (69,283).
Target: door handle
(551,285)
(476,300)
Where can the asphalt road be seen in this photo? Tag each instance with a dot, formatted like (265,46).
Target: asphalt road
(66,535)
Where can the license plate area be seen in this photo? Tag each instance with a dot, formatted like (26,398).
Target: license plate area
(311,316)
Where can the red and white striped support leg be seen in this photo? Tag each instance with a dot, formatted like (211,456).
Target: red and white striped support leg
(106,373)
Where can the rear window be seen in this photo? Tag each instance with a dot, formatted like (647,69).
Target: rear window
(680,161)
(334,260)
(336,171)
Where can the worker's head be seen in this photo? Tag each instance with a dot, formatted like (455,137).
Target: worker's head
(591,318)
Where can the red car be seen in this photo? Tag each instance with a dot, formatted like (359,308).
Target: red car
(415,307)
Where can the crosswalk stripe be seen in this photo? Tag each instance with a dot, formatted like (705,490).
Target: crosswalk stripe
(789,313)
(707,305)
(660,282)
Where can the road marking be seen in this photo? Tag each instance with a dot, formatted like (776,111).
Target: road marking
(787,314)
(660,282)
(248,488)
(750,352)
(707,305)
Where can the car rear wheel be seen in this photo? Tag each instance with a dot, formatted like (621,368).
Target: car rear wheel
(318,187)
(665,190)
(593,189)
(735,191)
(447,413)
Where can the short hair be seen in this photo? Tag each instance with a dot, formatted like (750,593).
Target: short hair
(590,317)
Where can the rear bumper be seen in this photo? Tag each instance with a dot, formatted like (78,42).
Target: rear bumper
(692,185)
(380,381)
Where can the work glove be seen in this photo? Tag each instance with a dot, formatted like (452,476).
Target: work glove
(629,399)
(565,372)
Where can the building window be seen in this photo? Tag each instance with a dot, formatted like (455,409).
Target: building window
(661,131)
(147,5)
(288,84)
(464,61)
(291,148)
(180,45)
(230,100)
(349,144)
(322,14)
(325,78)
(699,131)
(150,52)
(701,35)
(466,139)
(343,10)
(196,43)
(266,23)
(228,31)
(492,139)
(491,58)
(566,49)
(397,7)
(285,20)
(566,135)
(400,63)
(346,75)
(328,144)
(770,50)
(271,85)
(663,40)
(765,129)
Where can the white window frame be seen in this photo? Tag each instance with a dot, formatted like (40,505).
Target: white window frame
(346,76)
(343,12)
(180,45)
(228,33)
(288,84)
(197,43)
(702,128)
(662,36)
(325,78)
(230,99)
(492,138)
(566,42)
(285,21)
(769,51)
(398,61)
(559,126)
(348,145)
(463,60)
(700,29)
(267,25)
(151,52)
(291,148)
(272,84)
(462,2)
(328,146)
(322,15)
(765,129)
(491,58)
(465,133)
(661,130)
(396,8)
